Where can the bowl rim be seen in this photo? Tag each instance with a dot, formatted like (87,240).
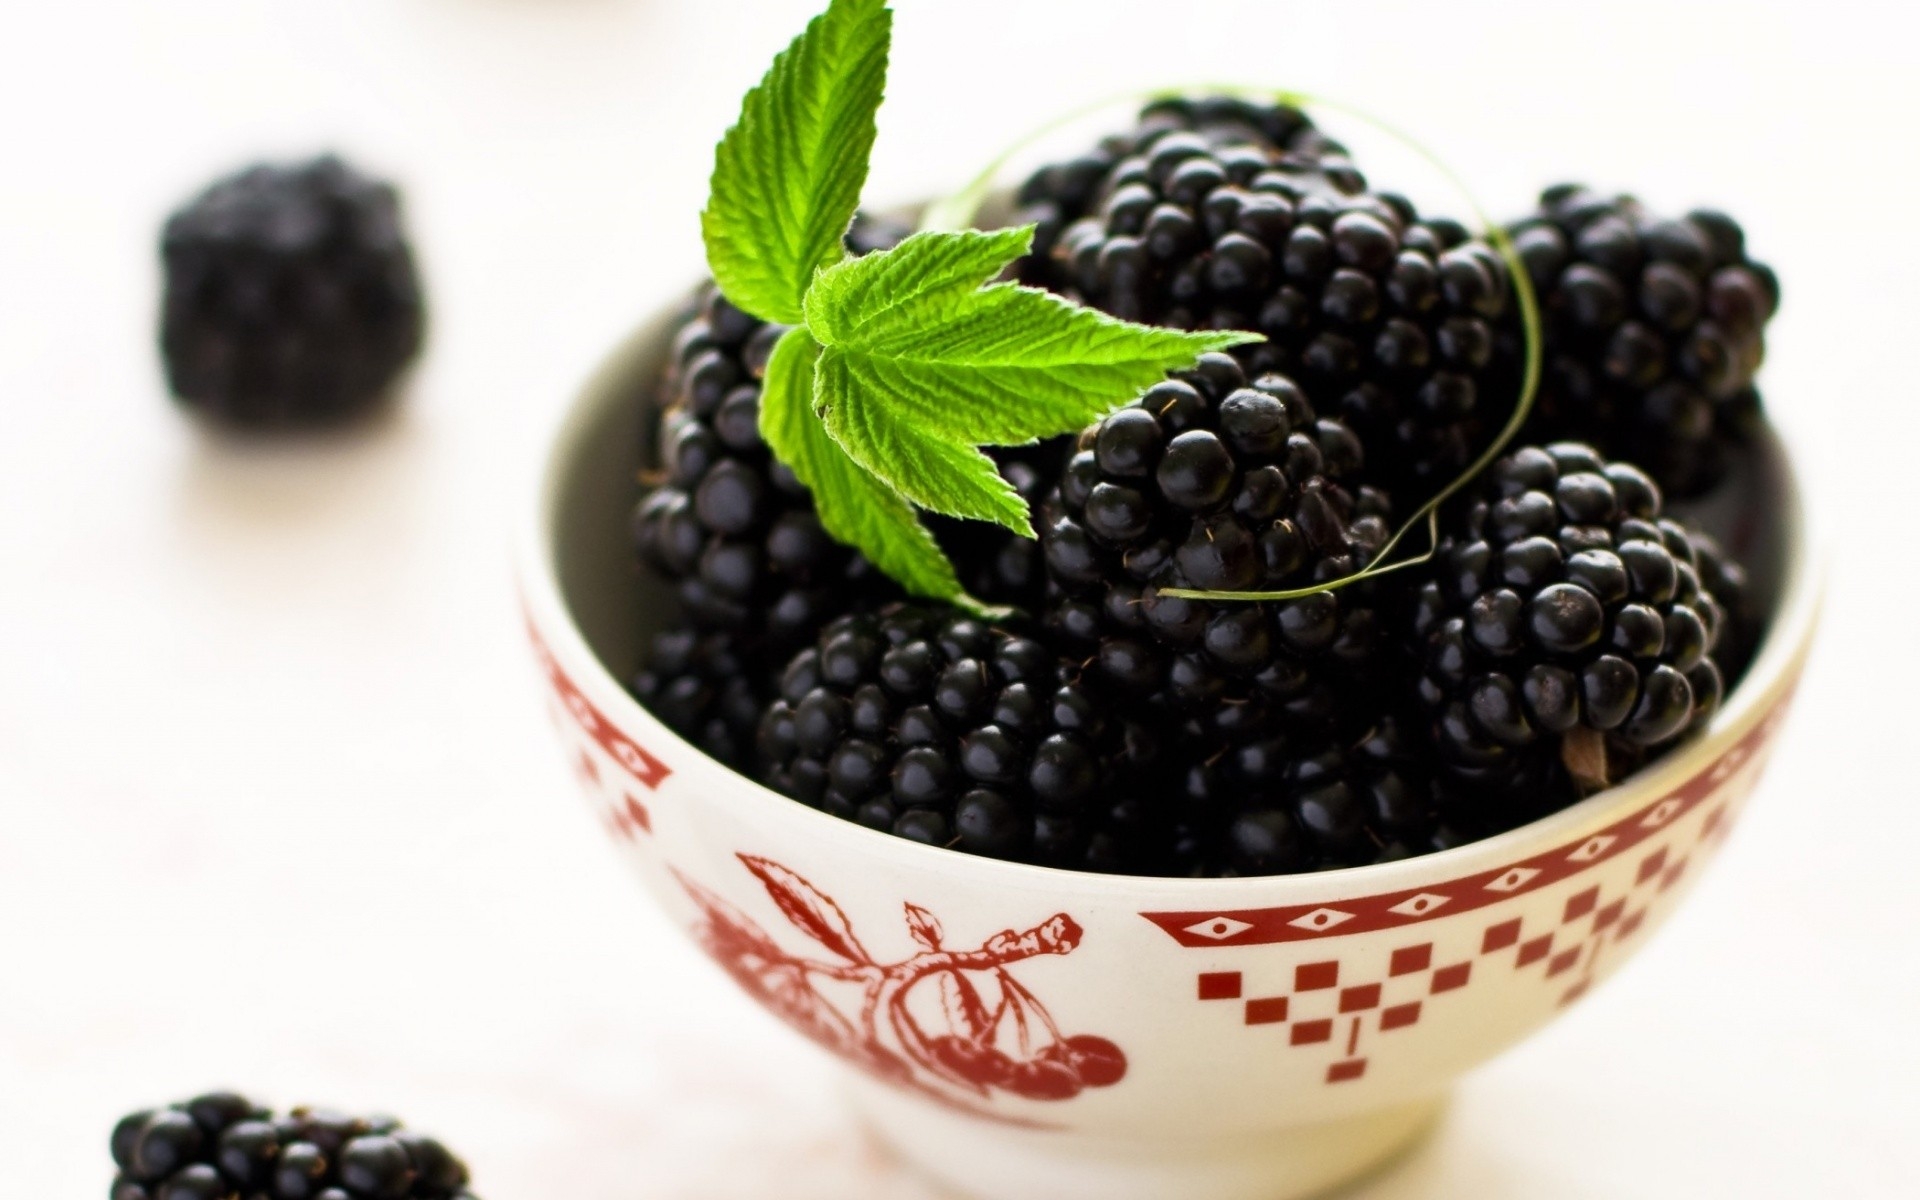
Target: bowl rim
(1768,682)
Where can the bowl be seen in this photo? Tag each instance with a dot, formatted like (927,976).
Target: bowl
(1018,1031)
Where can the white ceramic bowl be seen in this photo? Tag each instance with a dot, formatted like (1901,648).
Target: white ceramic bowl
(1234,1038)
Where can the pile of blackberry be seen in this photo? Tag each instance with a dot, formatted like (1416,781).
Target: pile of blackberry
(755,576)
(1213,482)
(944,729)
(222,1146)
(1563,609)
(291,297)
(1654,330)
(1226,214)
(1568,629)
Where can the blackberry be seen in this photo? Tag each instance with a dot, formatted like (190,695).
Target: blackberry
(1564,615)
(755,574)
(946,730)
(221,1147)
(1654,329)
(993,563)
(1222,214)
(1275,803)
(728,524)
(702,687)
(291,296)
(1211,483)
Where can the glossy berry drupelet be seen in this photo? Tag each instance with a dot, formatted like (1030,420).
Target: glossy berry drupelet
(291,297)
(1215,482)
(1223,214)
(941,728)
(1654,330)
(1564,615)
(222,1147)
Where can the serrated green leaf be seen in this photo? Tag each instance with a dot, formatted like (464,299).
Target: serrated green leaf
(925,468)
(925,359)
(787,176)
(854,507)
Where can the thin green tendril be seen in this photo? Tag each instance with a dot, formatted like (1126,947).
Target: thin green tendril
(959,211)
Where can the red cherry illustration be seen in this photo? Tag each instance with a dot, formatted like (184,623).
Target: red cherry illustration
(1097,1061)
(984,1065)
(1044,1079)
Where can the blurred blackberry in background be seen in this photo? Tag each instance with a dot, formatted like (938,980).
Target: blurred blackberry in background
(1654,329)
(1225,214)
(943,729)
(291,296)
(1564,616)
(221,1146)
(1211,483)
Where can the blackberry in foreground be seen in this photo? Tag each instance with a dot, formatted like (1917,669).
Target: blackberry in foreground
(944,729)
(1564,615)
(1654,330)
(1285,803)
(221,1146)
(291,296)
(1212,482)
(1224,214)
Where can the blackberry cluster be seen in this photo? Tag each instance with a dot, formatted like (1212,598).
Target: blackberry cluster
(702,687)
(291,296)
(755,574)
(223,1147)
(1214,483)
(1565,630)
(1282,801)
(1223,214)
(729,524)
(1655,329)
(1565,615)
(950,731)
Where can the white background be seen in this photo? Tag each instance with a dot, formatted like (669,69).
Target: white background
(277,804)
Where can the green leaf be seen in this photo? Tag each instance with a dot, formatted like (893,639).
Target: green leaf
(854,507)
(787,176)
(925,359)
(924,466)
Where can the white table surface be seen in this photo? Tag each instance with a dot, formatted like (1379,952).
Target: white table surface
(278,808)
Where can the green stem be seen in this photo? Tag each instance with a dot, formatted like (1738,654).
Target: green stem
(960,210)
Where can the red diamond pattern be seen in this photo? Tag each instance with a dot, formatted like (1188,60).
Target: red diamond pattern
(1608,915)
(1499,937)
(1267,1010)
(1535,950)
(1316,976)
(1308,1032)
(1399,1016)
(1360,998)
(1341,1072)
(1580,904)
(1409,959)
(1446,979)
(1219,985)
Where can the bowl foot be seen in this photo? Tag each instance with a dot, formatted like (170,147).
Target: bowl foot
(1003,1162)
